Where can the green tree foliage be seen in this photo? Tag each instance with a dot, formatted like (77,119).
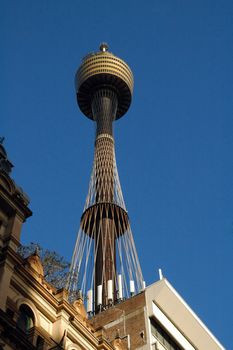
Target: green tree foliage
(56,268)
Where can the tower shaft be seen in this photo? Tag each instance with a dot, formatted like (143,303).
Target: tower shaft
(104,107)
(105,260)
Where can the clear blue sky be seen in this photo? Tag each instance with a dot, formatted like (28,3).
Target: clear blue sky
(174,147)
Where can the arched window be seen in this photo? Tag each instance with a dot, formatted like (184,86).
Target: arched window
(39,342)
(26,318)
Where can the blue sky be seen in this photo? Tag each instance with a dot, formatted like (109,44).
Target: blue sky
(174,146)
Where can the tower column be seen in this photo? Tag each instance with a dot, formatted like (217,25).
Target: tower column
(105,247)
(104,107)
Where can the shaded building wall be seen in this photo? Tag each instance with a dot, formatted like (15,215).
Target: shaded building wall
(127,320)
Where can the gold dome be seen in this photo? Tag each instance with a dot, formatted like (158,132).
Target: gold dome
(103,70)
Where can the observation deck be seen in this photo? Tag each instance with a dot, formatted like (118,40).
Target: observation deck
(100,70)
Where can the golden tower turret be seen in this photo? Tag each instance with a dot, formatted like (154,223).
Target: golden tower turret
(103,71)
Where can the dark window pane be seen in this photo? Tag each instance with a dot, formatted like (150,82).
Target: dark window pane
(26,318)
(163,337)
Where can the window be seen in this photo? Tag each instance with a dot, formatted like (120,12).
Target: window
(26,318)
(162,336)
(39,342)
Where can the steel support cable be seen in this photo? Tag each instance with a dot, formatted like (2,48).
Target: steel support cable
(138,267)
(138,277)
(122,229)
(91,248)
(129,268)
(96,245)
(113,244)
(72,266)
(88,249)
(96,239)
(131,257)
(86,245)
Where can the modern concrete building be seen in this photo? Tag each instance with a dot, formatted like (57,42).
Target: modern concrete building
(34,314)
(157,319)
